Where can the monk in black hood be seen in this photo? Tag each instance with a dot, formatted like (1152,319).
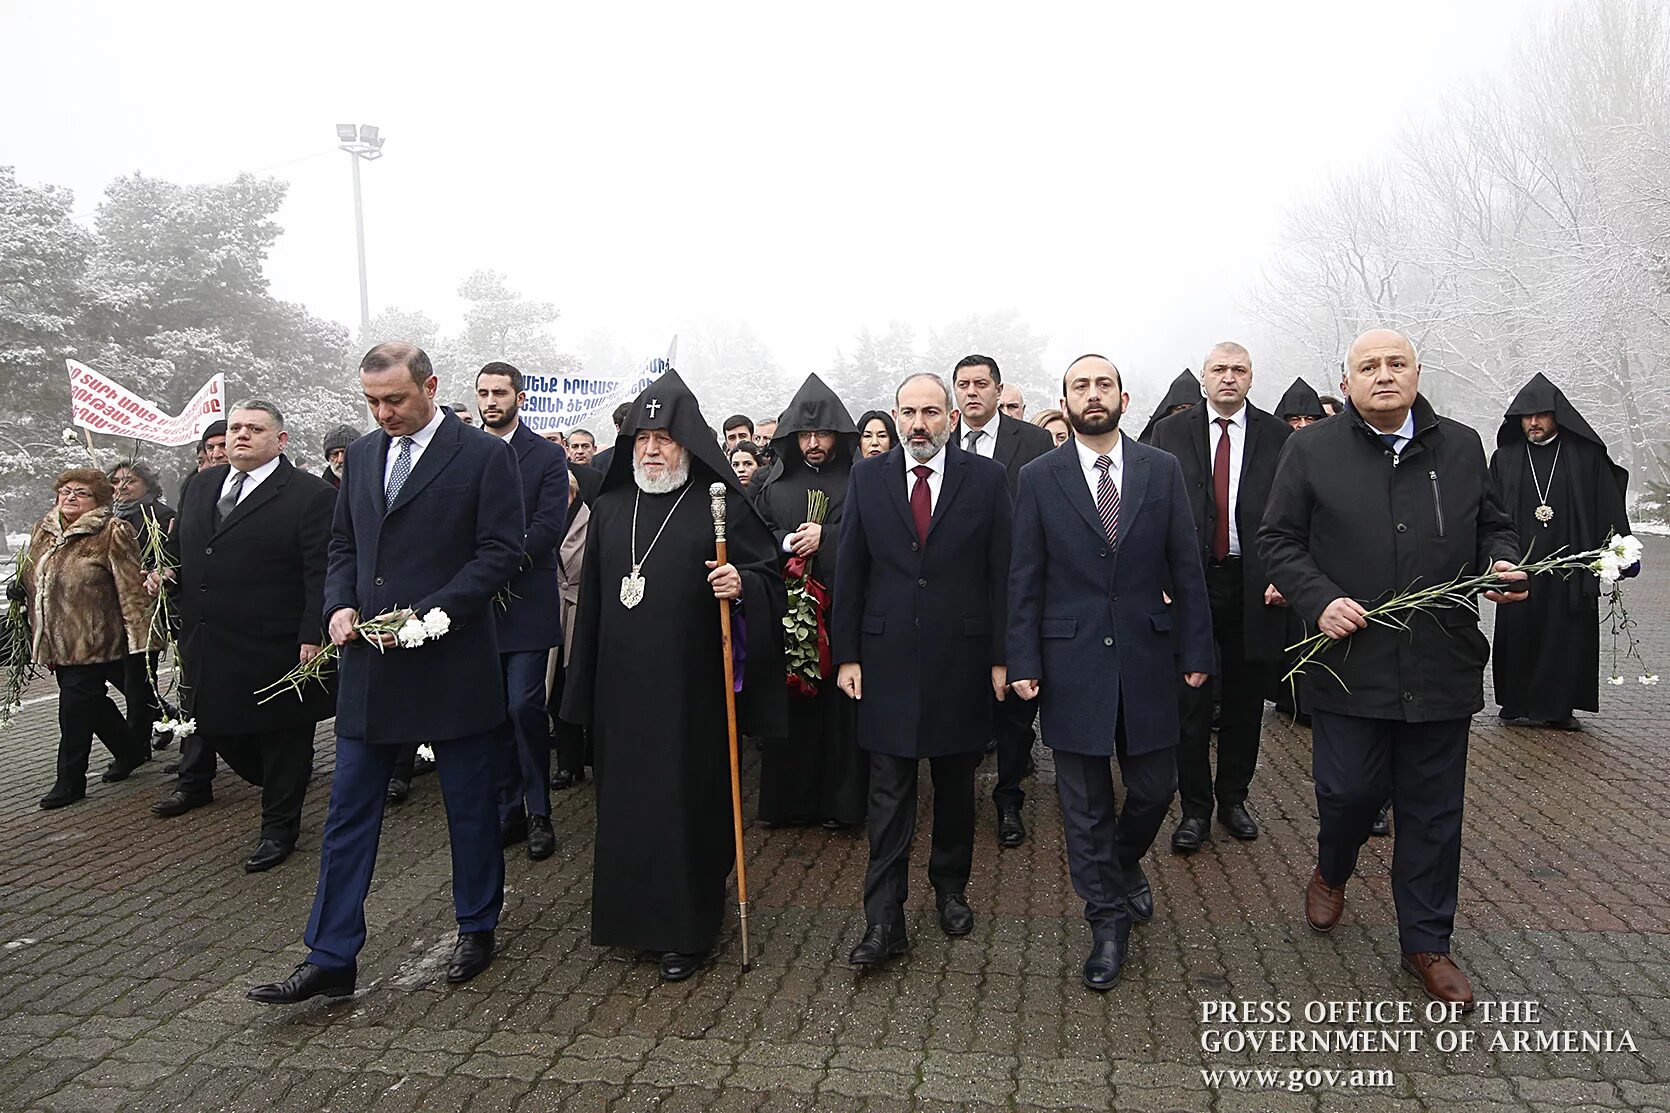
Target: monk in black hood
(1183,393)
(1301,405)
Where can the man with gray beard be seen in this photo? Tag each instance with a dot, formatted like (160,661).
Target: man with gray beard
(647,676)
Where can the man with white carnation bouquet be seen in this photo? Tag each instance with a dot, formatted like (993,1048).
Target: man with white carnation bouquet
(428,528)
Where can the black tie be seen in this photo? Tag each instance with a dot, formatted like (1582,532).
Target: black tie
(1391,440)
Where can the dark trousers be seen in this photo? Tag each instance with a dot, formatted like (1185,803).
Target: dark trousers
(348,850)
(523,756)
(573,749)
(85,709)
(1240,694)
(1105,845)
(1357,764)
(279,762)
(405,760)
(892,824)
(1012,720)
(140,692)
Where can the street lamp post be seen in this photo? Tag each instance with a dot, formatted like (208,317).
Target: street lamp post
(360,142)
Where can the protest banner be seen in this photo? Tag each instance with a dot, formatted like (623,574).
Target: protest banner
(585,400)
(100,405)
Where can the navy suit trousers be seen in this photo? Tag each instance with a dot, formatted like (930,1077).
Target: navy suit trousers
(524,747)
(354,823)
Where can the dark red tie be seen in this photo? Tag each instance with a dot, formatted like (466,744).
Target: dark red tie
(921,502)
(1220,493)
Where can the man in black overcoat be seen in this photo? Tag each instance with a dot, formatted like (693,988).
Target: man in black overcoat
(429,518)
(984,429)
(1228,450)
(249,553)
(918,641)
(1563,491)
(1381,498)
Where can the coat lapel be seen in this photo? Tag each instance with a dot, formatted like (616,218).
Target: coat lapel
(956,466)
(1132,490)
(265,493)
(1070,476)
(897,482)
(1202,439)
(1006,443)
(443,446)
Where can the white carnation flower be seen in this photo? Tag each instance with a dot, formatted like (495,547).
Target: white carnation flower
(1627,549)
(412,634)
(1649,681)
(69,436)
(163,726)
(1615,680)
(184,729)
(1607,567)
(436,622)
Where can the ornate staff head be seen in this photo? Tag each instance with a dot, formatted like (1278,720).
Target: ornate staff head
(717,493)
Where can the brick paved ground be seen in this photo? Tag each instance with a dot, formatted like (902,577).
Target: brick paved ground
(129,941)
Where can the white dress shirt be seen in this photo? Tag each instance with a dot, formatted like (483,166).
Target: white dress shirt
(252,480)
(936,476)
(987,444)
(420,441)
(1237,433)
(1405,433)
(1093,477)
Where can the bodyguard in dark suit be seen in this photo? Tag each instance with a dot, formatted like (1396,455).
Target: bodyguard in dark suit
(1102,534)
(1228,450)
(918,640)
(428,518)
(982,428)
(529,615)
(1378,499)
(249,556)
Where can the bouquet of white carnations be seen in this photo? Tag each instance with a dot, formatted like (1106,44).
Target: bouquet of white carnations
(409,632)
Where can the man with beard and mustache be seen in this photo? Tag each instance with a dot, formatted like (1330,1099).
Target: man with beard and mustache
(1103,532)
(646,674)
(918,638)
(529,613)
(1563,491)
(817,773)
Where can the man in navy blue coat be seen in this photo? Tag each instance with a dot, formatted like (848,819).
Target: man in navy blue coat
(529,615)
(429,518)
(1103,533)
(918,636)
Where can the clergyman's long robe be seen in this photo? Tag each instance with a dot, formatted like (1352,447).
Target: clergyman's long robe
(649,680)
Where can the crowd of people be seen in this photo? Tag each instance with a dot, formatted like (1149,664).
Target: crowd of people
(939,580)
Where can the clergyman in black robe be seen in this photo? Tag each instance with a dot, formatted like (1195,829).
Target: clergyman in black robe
(1564,492)
(816,773)
(1183,393)
(1300,406)
(646,675)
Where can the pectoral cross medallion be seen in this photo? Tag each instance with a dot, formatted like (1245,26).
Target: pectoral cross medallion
(1544,514)
(631,589)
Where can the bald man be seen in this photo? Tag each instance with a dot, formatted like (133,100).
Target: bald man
(1387,497)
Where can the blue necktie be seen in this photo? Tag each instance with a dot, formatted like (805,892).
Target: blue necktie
(402,469)
(1391,440)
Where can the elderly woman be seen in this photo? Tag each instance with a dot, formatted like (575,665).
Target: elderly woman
(139,504)
(572,758)
(85,593)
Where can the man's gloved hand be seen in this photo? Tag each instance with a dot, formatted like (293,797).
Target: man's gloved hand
(15,592)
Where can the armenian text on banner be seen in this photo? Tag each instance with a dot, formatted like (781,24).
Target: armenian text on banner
(586,400)
(101,406)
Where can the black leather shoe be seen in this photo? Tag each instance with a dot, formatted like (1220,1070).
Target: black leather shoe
(122,770)
(1140,897)
(1570,722)
(1239,821)
(514,829)
(399,791)
(542,841)
(1382,825)
(567,778)
(472,954)
(179,802)
(267,855)
(1107,957)
(171,768)
(306,981)
(1191,832)
(422,765)
(1011,832)
(160,741)
(677,965)
(64,794)
(955,916)
(880,943)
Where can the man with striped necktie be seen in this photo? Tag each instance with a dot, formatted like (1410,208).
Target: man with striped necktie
(1102,533)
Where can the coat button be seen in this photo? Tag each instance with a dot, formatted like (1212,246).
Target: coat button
(1102,552)
(1408,697)
(210,551)
(921,583)
(202,587)
(379,581)
(1107,641)
(1401,528)
(913,546)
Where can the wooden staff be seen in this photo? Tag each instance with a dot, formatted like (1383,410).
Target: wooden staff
(717,493)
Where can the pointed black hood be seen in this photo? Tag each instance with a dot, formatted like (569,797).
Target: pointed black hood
(1184,391)
(1301,400)
(1540,396)
(813,407)
(668,404)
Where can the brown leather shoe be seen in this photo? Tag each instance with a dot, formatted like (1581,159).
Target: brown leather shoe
(1441,977)
(1323,904)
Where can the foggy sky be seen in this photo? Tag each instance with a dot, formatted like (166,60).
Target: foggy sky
(1116,175)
